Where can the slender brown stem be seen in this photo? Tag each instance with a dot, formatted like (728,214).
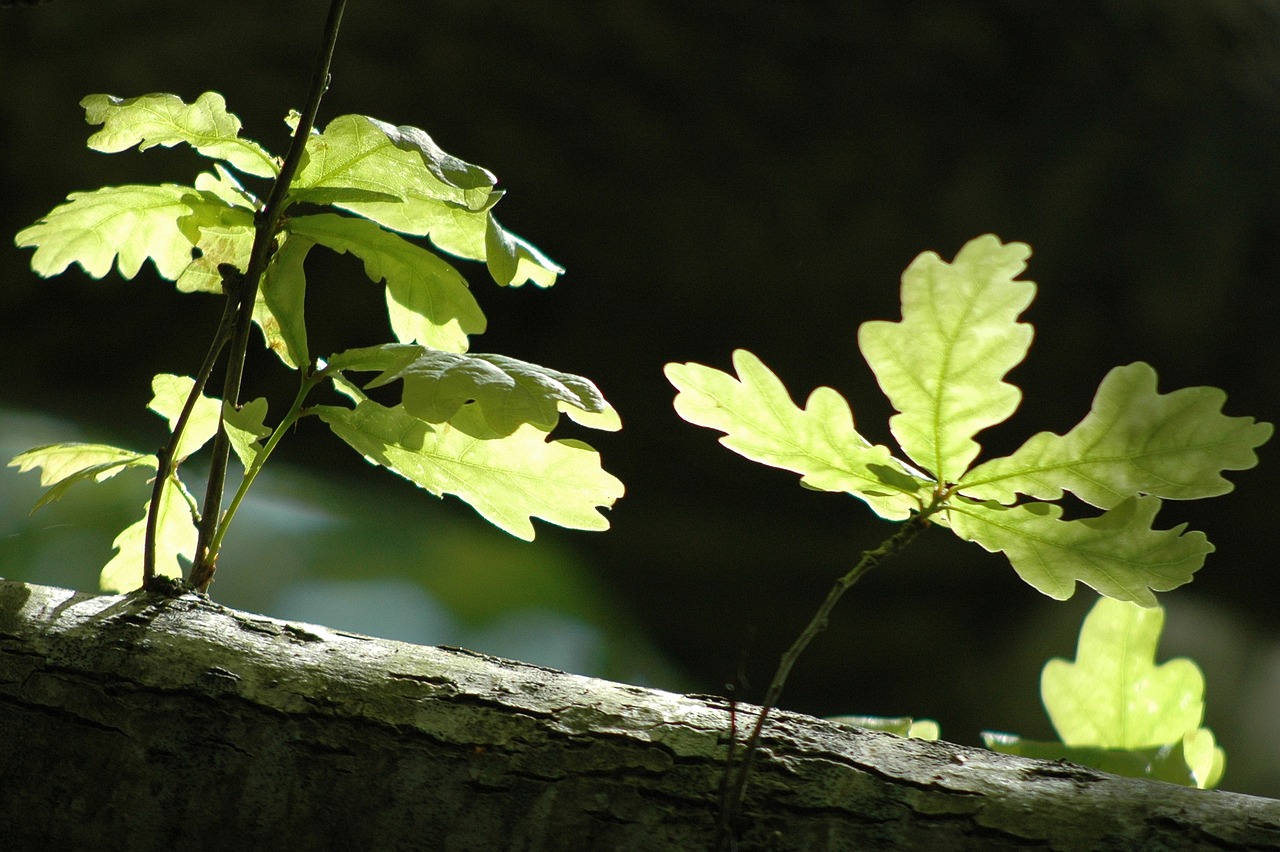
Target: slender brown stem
(726,830)
(166,462)
(267,224)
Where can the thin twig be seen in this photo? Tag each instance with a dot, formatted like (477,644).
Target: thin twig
(266,223)
(166,460)
(726,830)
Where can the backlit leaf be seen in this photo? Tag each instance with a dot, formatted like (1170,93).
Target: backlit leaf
(942,365)
(245,429)
(175,541)
(419,181)
(403,181)
(134,222)
(1116,710)
(218,234)
(513,261)
(280,308)
(63,465)
(1117,553)
(428,301)
(507,392)
(1134,441)
(509,480)
(1113,694)
(170,394)
(165,120)
(818,442)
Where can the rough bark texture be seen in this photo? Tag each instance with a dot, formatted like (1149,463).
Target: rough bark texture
(143,723)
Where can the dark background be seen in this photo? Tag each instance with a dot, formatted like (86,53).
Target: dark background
(744,174)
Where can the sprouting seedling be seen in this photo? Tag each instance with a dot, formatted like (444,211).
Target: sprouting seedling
(1114,709)
(476,426)
(942,367)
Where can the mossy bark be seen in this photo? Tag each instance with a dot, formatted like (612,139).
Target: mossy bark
(142,722)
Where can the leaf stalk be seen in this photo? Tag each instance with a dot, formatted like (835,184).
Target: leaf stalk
(736,777)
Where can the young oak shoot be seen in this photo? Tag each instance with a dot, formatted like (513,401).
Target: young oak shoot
(473,425)
(942,367)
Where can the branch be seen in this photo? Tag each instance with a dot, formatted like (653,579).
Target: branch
(153,722)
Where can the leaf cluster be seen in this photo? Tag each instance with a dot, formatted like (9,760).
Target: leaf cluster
(943,367)
(473,425)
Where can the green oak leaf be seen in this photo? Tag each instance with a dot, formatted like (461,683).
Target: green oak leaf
(513,261)
(1114,709)
(1193,761)
(942,365)
(428,301)
(1133,441)
(508,479)
(507,392)
(402,165)
(134,222)
(279,309)
(1114,695)
(246,428)
(170,394)
(175,541)
(404,182)
(819,441)
(165,120)
(218,234)
(223,185)
(63,465)
(1117,553)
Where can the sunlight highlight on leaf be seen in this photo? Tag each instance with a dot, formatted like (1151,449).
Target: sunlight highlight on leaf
(1113,695)
(170,394)
(1117,553)
(1134,441)
(509,480)
(819,441)
(428,301)
(941,366)
(135,222)
(175,542)
(165,120)
(63,465)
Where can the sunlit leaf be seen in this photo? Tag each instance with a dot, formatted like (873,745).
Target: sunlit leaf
(135,222)
(403,181)
(223,185)
(942,365)
(507,392)
(175,542)
(1117,553)
(428,301)
(513,261)
(401,164)
(1116,710)
(165,120)
(280,308)
(1113,694)
(170,394)
(818,442)
(63,465)
(509,480)
(245,429)
(218,234)
(1134,441)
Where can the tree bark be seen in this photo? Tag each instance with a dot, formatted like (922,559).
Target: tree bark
(143,722)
